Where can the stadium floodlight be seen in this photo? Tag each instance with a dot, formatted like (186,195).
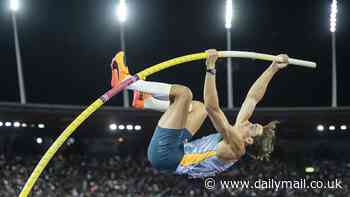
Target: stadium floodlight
(229,14)
(1,124)
(343,127)
(129,127)
(320,127)
(309,169)
(122,11)
(16,124)
(138,127)
(14,5)
(41,126)
(121,127)
(24,125)
(333,16)
(113,127)
(8,124)
(39,140)
(331,127)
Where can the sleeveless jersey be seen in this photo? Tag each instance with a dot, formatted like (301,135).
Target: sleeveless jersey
(200,158)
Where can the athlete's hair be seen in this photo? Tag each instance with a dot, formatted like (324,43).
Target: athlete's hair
(263,145)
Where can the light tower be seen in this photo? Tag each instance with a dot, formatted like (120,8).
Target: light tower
(122,16)
(14,7)
(228,25)
(333,25)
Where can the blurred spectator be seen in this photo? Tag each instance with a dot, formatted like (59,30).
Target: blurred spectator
(80,176)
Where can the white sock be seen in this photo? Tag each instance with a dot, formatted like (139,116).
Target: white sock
(159,90)
(155,104)
(159,105)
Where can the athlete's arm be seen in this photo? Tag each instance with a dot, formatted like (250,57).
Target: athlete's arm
(257,91)
(211,103)
(211,100)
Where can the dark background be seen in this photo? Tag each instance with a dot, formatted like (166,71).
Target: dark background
(67,47)
(66,50)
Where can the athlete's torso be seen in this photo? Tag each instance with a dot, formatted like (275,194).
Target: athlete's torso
(201,159)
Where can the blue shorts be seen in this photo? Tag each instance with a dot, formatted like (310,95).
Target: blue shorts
(166,148)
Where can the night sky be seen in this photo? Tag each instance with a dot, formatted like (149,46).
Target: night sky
(67,47)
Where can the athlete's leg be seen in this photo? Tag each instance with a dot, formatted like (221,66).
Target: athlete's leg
(196,117)
(156,89)
(176,115)
(155,104)
(143,100)
(165,151)
(197,112)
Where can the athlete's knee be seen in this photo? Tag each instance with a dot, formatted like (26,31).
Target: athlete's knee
(199,107)
(181,92)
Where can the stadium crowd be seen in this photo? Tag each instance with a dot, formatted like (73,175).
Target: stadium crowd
(82,176)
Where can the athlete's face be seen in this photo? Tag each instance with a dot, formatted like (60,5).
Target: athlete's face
(250,130)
